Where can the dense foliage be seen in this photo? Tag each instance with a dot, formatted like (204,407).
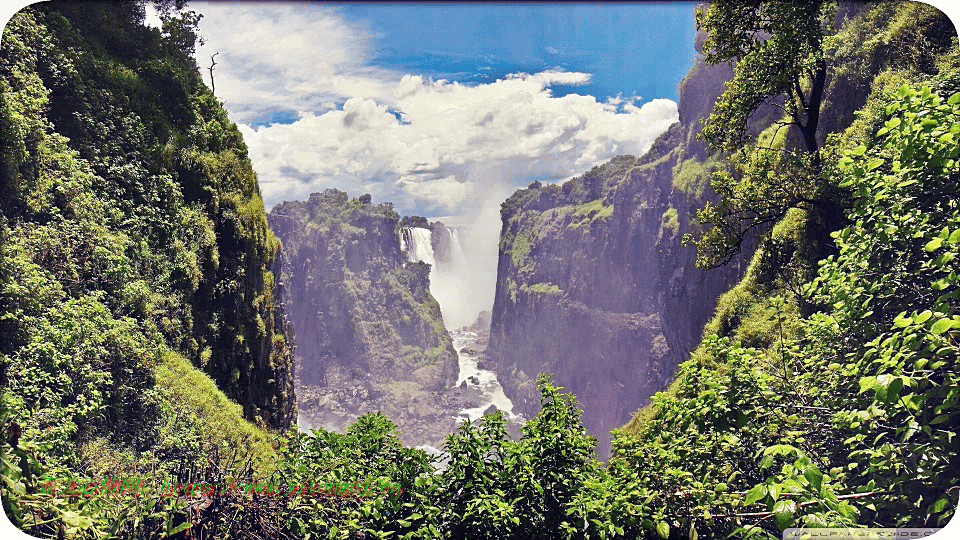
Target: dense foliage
(778,50)
(136,299)
(808,78)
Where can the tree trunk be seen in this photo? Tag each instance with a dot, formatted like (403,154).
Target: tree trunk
(813,109)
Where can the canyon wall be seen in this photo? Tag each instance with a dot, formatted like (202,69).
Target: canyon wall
(593,283)
(369,335)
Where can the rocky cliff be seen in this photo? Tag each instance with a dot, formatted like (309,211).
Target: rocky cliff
(369,335)
(593,284)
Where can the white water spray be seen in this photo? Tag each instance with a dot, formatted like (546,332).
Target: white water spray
(447,282)
(450,285)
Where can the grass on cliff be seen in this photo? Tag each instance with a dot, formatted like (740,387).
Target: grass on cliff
(544,287)
(587,213)
(221,422)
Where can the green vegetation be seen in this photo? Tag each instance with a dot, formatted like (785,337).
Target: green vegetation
(881,48)
(138,327)
(693,177)
(670,219)
(778,48)
(138,331)
(545,288)
(520,247)
(854,404)
(587,213)
(194,394)
(585,189)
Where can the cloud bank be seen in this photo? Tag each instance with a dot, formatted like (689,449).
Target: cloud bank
(432,147)
(434,154)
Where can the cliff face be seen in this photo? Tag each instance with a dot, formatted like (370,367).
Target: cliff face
(369,334)
(593,283)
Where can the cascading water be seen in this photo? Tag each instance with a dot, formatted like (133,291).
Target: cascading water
(457,259)
(416,241)
(447,284)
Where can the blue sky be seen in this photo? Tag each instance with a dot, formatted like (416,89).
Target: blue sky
(629,49)
(453,102)
(640,50)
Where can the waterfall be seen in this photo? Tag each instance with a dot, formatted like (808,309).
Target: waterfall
(450,284)
(416,242)
(457,259)
(445,282)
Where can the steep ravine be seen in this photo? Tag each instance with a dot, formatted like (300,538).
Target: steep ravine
(369,335)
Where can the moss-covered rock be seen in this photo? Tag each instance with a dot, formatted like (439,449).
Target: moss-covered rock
(363,314)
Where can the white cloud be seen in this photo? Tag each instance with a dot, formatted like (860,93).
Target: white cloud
(286,57)
(449,130)
(455,149)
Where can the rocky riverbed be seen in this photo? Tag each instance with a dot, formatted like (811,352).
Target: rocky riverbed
(423,417)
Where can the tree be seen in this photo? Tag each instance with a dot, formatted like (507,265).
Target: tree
(778,49)
(780,62)
(182,31)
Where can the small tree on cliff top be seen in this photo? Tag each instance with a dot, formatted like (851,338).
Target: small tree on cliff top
(778,50)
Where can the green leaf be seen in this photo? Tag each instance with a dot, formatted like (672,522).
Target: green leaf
(954,99)
(933,244)
(814,476)
(893,389)
(663,530)
(901,321)
(781,450)
(783,513)
(793,485)
(179,528)
(941,326)
(758,492)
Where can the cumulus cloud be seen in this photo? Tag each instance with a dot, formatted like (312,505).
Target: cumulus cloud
(446,133)
(275,57)
(432,147)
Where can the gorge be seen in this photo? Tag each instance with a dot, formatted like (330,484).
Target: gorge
(593,285)
(593,281)
(361,286)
